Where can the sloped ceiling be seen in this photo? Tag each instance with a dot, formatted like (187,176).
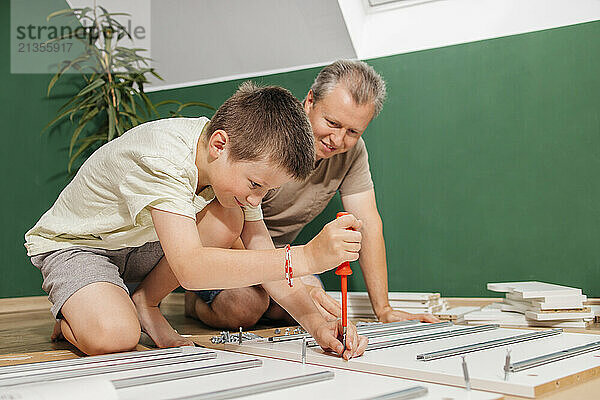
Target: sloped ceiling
(202,41)
(215,39)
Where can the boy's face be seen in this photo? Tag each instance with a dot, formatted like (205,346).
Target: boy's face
(244,183)
(337,121)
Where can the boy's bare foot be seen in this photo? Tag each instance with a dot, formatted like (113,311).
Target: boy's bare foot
(57,333)
(156,326)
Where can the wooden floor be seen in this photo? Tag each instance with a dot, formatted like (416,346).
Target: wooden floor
(26,324)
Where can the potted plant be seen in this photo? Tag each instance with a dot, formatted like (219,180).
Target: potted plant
(112,98)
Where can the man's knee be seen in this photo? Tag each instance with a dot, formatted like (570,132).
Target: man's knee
(231,219)
(241,307)
(109,335)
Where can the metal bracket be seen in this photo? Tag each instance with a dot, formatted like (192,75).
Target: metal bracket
(11,369)
(487,345)
(394,330)
(91,370)
(552,357)
(184,374)
(362,330)
(263,387)
(431,336)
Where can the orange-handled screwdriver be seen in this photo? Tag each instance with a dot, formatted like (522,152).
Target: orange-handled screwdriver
(343,271)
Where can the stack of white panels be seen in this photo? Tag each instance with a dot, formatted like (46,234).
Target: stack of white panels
(535,304)
(359,305)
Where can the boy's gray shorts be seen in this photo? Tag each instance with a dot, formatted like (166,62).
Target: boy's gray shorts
(68,270)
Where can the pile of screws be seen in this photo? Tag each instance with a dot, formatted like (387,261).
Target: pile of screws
(227,337)
(288,331)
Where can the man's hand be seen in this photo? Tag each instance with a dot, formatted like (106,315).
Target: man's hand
(330,309)
(329,337)
(390,315)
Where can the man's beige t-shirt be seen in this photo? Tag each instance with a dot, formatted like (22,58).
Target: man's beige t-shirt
(107,204)
(288,209)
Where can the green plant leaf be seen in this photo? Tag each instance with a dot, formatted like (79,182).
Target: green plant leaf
(84,146)
(195,104)
(149,104)
(94,85)
(87,117)
(164,102)
(113,83)
(60,116)
(66,11)
(65,68)
(154,73)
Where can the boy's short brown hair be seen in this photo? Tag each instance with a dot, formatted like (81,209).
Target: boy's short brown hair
(267,123)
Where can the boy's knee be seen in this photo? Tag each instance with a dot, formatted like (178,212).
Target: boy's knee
(242,307)
(112,336)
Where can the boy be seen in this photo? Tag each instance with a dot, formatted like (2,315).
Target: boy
(150,193)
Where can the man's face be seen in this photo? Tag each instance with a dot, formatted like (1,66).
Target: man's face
(245,183)
(337,121)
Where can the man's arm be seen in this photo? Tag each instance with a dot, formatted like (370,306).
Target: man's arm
(373,258)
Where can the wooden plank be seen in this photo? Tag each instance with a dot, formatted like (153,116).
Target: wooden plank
(402,296)
(455,313)
(345,384)
(533,289)
(558,315)
(568,381)
(550,303)
(485,366)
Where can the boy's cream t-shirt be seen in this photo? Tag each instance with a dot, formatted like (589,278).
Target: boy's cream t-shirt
(107,204)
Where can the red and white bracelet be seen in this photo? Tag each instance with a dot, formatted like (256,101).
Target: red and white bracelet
(289,274)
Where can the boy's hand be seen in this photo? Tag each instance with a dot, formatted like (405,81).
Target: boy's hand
(329,337)
(335,244)
(329,308)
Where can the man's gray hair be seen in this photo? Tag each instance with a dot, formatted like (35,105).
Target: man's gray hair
(362,81)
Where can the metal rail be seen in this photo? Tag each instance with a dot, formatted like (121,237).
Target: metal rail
(361,330)
(487,345)
(10,369)
(184,374)
(396,331)
(410,393)
(552,357)
(369,328)
(431,336)
(97,370)
(263,387)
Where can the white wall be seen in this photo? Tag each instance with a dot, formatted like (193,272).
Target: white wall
(425,24)
(202,41)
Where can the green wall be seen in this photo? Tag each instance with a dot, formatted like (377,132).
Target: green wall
(33,166)
(485,160)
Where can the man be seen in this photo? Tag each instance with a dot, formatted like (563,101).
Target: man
(341,103)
